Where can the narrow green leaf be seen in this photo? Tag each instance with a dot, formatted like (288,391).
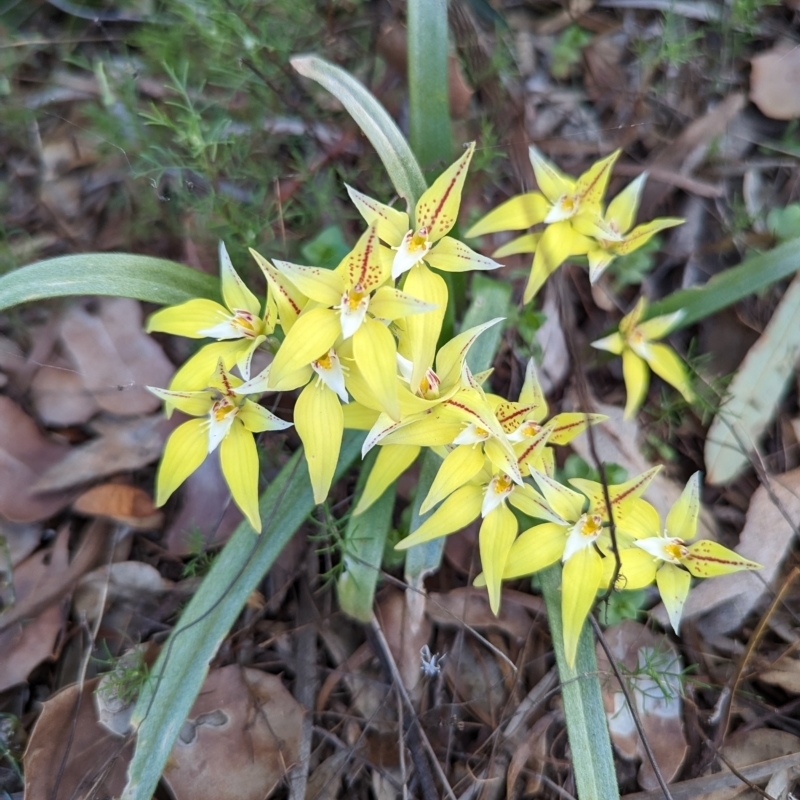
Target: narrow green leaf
(423,559)
(755,392)
(364,542)
(490,299)
(752,275)
(182,665)
(428,105)
(154,280)
(374,121)
(587,727)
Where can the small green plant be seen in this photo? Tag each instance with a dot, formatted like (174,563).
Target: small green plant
(567,51)
(126,674)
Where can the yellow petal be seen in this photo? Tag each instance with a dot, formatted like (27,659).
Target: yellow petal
(375,353)
(319,421)
(525,499)
(451,356)
(707,559)
(456,512)
(516,214)
(431,429)
(659,327)
(362,268)
(599,260)
(553,183)
(531,391)
(323,286)
(566,503)
(288,300)
(535,548)
(359,417)
(623,208)
(290,380)
(682,518)
(637,569)
(256,418)
(641,520)
(450,255)
(637,378)
(391,224)
(239,460)
(496,536)
(526,243)
(391,463)
(460,467)
(312,335)
(234,292)
(559,241)
(197,372)
(188,319)
(565,427)
(642,234)
(591,186)
(185,451)
(624,496)
(580,580)
(390,303)
(437,209)
(673,586)
(664,361)
(613,344)
(502,455)
(423,330)
(196,403)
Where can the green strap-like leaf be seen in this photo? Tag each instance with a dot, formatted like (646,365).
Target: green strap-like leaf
(490,299)
(374,121)
(364,542)
(182,665)
(154,280)
(729,287)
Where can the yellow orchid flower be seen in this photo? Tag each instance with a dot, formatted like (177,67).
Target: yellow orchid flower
(468,486)
(636,343)
(666,558)
(577,533)
(563,201)
(239,326)
(612,232)
(226,420)
(348,303)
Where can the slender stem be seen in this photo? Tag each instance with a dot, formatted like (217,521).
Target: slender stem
(587,728)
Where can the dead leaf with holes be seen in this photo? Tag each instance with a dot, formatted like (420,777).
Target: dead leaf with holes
(122,445)
(25,645)
(242,736)
(24,455)
(652,668)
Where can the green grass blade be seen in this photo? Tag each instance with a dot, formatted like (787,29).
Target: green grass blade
(154,280)
(180,670)
(423,559)
(364,542)
(757,389)
(428,106)
(587,727)
(752,275)
(490,299)
(374,121)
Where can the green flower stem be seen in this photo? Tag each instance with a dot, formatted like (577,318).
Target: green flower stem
(587,727)
(429,109)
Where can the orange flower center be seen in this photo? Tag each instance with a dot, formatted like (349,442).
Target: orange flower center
(502,484)
(223,408)
(324,362)
(419,241)
(591,525)
(246,322)
(354,297)
(677,550)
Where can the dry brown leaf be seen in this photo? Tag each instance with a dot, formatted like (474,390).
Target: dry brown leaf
(132,581)
(20,539)
(470,606)
(406,633)
(774,79)
(767,535)
(120,502)
(24,455)
(642,653)
(241,737)
(60,396)
(751,748)
(122,445)
(784,672)
(530,754)
(114,357)
(95,758)
(24,646)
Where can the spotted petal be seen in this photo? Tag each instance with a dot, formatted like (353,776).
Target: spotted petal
(450,255)
(391,224)
(362,267)
(682,518)
(707,559)
(323,286)
(553,183)
(234,291)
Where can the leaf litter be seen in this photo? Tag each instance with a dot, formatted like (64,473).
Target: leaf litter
(78,436)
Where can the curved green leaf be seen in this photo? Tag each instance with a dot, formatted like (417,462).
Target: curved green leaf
(155,280)
(179,672)
(374,121)
(752,275)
